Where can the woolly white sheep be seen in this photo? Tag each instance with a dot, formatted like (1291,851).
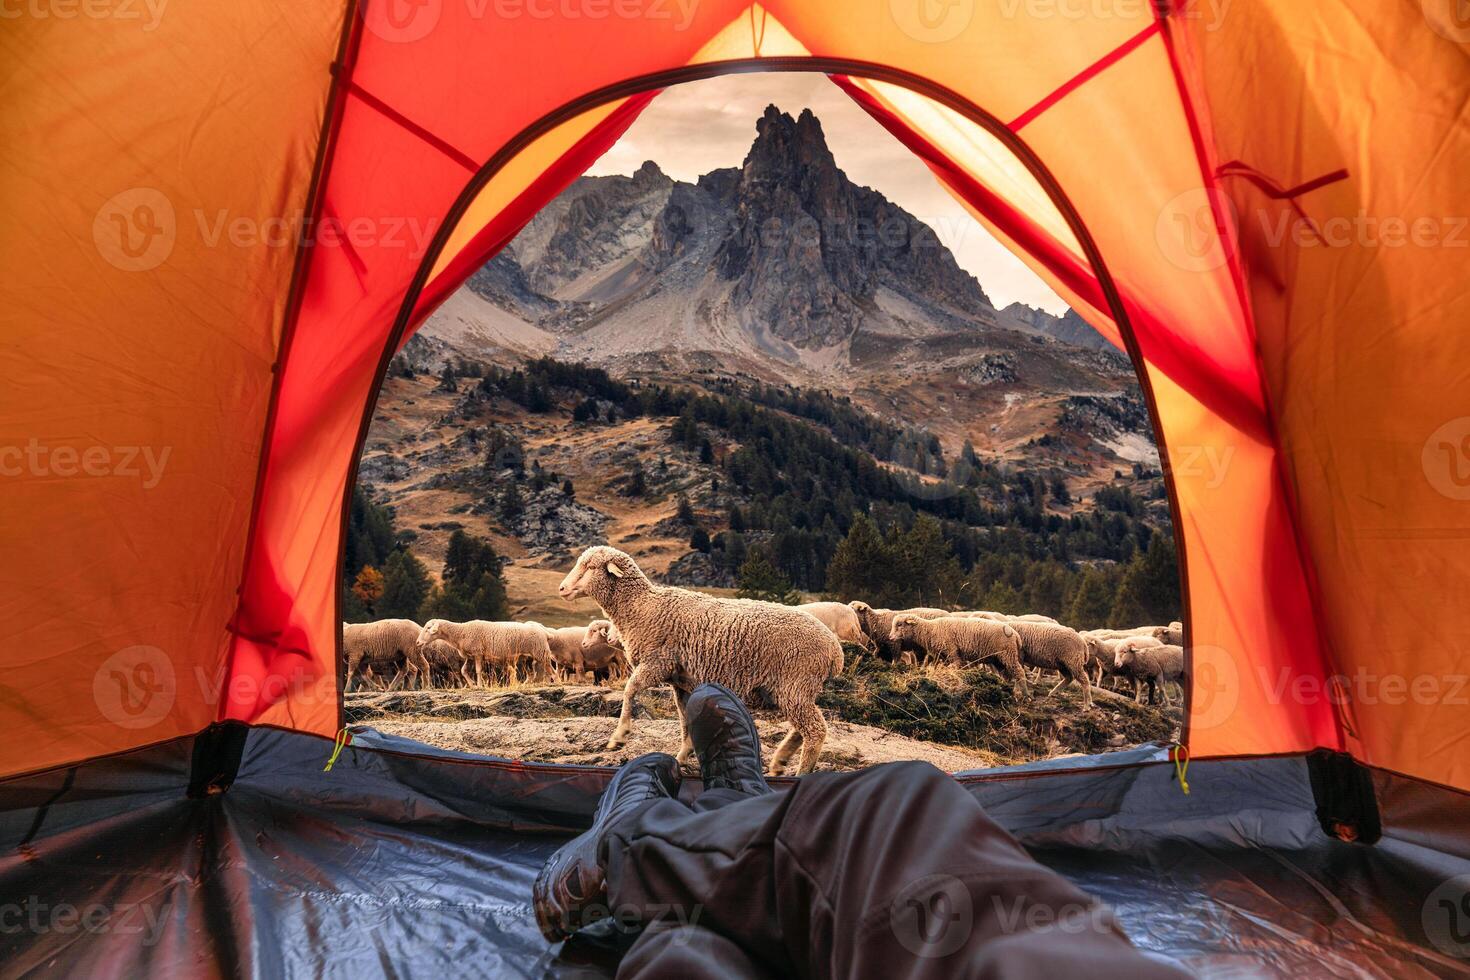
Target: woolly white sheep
(878,625)
(1154,664)
(602,649)
(964,642)
(1101,650)
(505,645)
(686,638)
(385,647)
(1060,648)
(444,658)
(842,621)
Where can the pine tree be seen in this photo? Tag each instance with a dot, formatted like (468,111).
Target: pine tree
(637,482)
(699,540)
(511,505)
(759,579)
(1092,602)
(567,490)
(706,453)
(1149,592)
(405,586)
(489,599)
(862,565)
(685,513)
(368,587)
(586,410)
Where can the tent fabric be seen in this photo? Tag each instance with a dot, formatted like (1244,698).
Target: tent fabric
(223,220)
(423,859)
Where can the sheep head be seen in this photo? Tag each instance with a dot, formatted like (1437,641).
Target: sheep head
(903,627)
(599,573)
(429,632)
(601,631)
(859,607)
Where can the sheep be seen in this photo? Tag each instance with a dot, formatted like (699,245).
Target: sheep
(386,645)
(602,649)
(565,645)
(446,658)
(1100,653)
(686,638)
(1058,648)
(498,644)
(577,649)
(1157,632)
(1174,635)
(878,625)
(842,621)
(964,642)
(1154,663)
(1005,618)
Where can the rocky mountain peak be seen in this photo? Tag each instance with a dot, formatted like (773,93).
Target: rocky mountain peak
(649,176)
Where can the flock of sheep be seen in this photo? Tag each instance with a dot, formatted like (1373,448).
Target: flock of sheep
(765,652)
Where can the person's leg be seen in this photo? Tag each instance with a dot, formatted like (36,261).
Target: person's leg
(890,871)
(687,952)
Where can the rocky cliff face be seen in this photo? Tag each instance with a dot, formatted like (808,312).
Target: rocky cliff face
(783,270)
(1068,328)
(783,258)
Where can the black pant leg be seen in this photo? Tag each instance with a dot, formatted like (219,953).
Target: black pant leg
(668,951)
(888,872)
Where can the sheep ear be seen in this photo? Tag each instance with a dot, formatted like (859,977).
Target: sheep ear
(614,570)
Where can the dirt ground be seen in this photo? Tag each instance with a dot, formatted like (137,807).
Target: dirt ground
(955,720)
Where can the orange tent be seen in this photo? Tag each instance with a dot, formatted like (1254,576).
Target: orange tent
(222,219)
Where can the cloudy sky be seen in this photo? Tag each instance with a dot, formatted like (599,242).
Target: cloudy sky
(695,128)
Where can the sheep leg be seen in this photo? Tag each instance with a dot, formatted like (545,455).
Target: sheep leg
(810,729)
(640,679)
(784,751)
(686,749)
(1017,678)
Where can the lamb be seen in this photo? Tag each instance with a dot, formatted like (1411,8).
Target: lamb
(1101,650)
(686,638)
(565,646)
(1059,648)
(505,645)
(842,621)
(1154,663)
(386,646)
(878,625)
(964,642)
(1174,635)
(602,650)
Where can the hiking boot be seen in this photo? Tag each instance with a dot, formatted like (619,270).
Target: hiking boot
(572,883)
(724,736)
